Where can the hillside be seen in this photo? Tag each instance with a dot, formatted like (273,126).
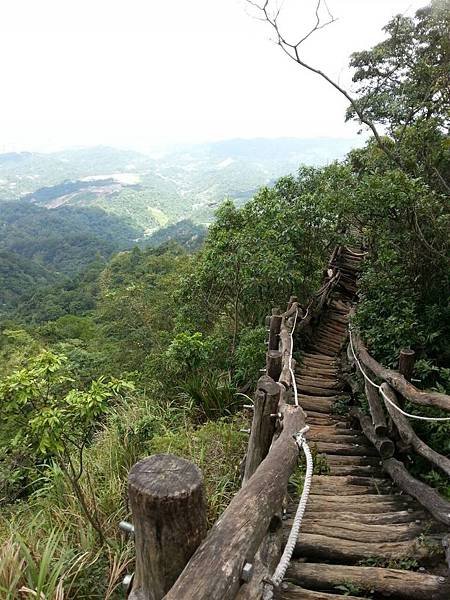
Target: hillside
(149,192)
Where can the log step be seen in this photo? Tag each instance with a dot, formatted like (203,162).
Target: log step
(405,585)
(322,482)
(395,517)
(312,390)
(313,545)
(359,532)
(354,470)
(294,592)
(336,459)
(345,449)
(320,382)
(336,437)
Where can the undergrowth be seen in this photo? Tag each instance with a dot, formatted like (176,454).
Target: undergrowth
(48,549)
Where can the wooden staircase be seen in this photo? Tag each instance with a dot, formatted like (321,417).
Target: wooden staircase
(360,537)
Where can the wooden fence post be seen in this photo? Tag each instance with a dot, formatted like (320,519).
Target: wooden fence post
(292,300)
(273,364)
(169,515)
(267,398)
(274,329)
(376,409)
(406,362)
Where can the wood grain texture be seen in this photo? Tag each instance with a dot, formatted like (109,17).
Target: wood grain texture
(167,501)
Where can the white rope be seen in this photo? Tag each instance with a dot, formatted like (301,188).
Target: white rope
(355,253)
(291,371)
(375,385)
(245,396)
(280,571)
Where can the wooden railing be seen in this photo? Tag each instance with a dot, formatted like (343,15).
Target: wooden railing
(243,547)
(389,429)
(176,559)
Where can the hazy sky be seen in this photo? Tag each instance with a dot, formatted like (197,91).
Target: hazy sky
(140,73)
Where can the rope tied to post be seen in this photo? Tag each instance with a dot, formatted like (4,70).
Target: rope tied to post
(380,389)
(280,571)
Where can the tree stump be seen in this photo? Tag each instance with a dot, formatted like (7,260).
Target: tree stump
(169,514)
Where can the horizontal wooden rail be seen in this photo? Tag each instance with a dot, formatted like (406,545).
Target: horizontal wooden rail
(398,381)
(374,427)
(409,436)
(215,570)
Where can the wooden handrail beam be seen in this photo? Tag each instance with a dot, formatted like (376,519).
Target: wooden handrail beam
(397,380)
(214,572)
(409,436)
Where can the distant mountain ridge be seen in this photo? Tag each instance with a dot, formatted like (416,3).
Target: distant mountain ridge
(148,192)
(60,212)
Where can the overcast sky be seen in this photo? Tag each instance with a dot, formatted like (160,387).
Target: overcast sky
(141,73)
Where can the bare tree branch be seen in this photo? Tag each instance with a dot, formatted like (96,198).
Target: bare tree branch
(293,51)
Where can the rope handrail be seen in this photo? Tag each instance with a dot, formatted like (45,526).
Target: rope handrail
(380,389)
(278,576)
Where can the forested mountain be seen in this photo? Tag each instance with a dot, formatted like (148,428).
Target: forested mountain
(62,211)
(40,246)
(111,350)
(148,192)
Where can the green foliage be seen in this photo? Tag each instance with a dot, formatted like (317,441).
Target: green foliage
(48,417)
(210,394)
(402,83)
(250,354)
(43,577)
(186,352)
(217,448)
(185,233)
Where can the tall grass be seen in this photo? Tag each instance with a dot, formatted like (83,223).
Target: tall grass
(47,548)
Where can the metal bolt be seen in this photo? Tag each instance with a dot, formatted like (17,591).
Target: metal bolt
(244,430)
(250,406)
(127,527)
(263,370)
(247,572)
(127,582)
(441,579)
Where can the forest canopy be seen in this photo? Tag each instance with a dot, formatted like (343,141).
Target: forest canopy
(145,349)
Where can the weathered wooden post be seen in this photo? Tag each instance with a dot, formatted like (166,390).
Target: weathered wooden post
(169,515)
(376,410)
(292,299)
(273,355)
(267,398)
(274,329)
(273,364)
(406,361)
